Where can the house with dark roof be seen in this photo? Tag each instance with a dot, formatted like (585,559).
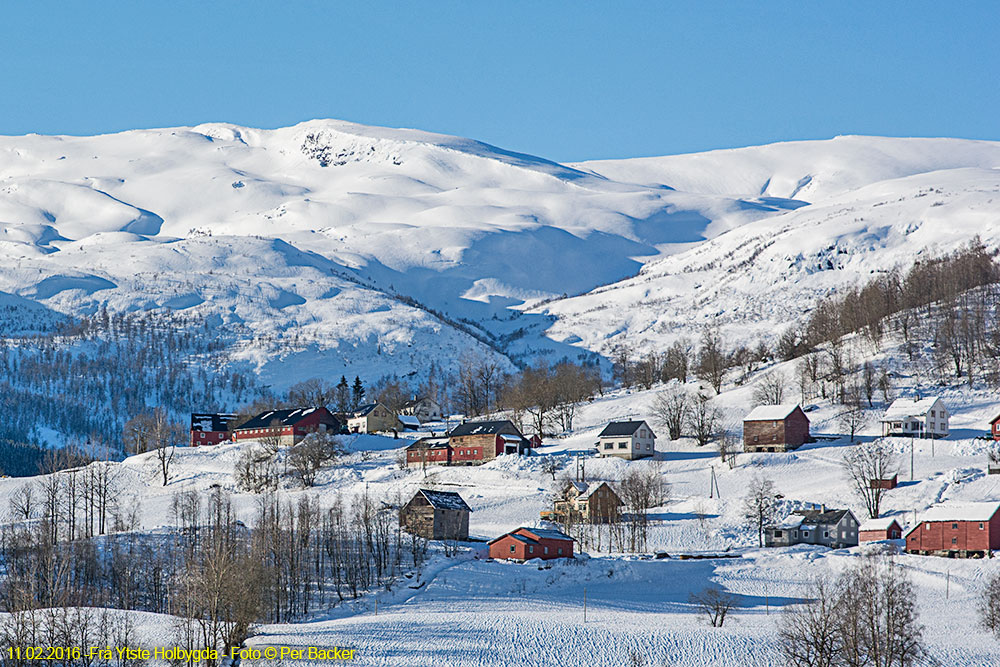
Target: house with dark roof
(289,426)
(210,428)
(372,418)
(476,442)
(436,515)
(832,528)
(425,451)
(526,543)
(775,428)
(626,440)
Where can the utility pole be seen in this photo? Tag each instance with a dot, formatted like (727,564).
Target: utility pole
(947,583)
(911,458)
(584,604)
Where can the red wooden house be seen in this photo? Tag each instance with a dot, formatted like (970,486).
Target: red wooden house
(995,427)
(426,451)
(288,426)
(527,543)
(969,530)
(876,530)
(477,442)
(210,428)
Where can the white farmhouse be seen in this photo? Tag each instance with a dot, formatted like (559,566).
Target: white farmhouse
(921,418)
(627,440)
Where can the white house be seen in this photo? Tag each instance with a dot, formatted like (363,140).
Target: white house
(627,440)
(921,418)
(423,408)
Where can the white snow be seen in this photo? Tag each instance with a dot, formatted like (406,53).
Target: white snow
(771,412)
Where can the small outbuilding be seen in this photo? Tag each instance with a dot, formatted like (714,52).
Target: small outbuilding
(876,530)
(884,483)
(775,428)
(527,543)
(436,515)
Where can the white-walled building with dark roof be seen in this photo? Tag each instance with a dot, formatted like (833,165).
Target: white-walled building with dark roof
(627,440)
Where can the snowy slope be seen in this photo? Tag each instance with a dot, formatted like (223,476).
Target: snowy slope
(304,237)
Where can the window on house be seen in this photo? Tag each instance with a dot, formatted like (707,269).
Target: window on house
(609,445)
(648,446)
(512,548)
(202,436)
(531,549)
(560,551)
(933,413)
(795,534)
(622,445)
(826,533)
(954,526)
(980,525)
(954,540)
(756,438)
(777,533)
(927,526)
(546,550)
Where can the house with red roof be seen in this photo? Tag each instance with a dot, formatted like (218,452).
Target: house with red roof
(526,543)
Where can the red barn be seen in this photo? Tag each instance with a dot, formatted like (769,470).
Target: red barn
(429,450)
(527,543)
(289,426)
(477,442)
(775,428)
(876,530)
(210,428)
(967,530)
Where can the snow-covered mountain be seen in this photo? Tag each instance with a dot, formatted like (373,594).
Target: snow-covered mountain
(337,247)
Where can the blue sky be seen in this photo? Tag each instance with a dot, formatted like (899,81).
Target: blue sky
(566,80)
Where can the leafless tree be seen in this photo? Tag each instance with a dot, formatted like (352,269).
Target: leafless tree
(809,632)
(868,618)
(670,409)
(308,457)
(255,470)
(878,622)
(989,605)
(853,416)
(760,505)
(715,603)
(641,489)
(704,420)
(712,359)
(770,388)
(164,436)
(866,464)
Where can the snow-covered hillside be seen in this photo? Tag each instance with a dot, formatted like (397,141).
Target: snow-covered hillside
(307,236)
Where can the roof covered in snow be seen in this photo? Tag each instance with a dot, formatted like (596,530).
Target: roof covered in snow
(485,427)
(902,408)
(281,417)
(881,523)
(615,429)
(983,511)
(409,420)
(211,421)
(771,412)
(545,533)
(444,500)
(430,443)
(364,410)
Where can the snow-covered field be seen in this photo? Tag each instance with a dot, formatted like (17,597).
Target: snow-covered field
(468,611)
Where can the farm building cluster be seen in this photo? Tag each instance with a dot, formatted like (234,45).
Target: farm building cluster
(950,530)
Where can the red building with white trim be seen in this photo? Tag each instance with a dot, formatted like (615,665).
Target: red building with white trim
(876,530)
(526,543)
(967,530)
(289,426)
(210,428)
